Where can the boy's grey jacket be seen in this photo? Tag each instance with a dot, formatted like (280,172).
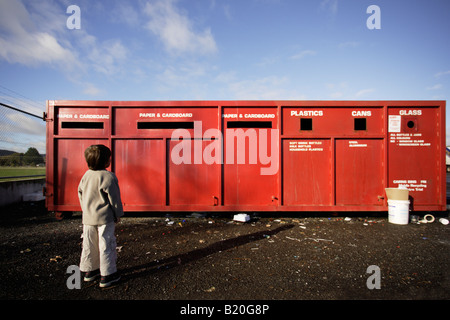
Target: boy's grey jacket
(99,196)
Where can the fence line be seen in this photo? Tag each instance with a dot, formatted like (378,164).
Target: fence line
(20,177)
(16,109)
(22,143)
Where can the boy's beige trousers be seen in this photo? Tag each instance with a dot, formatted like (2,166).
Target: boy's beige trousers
(99,249)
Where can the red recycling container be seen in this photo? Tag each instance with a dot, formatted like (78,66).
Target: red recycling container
(251,156)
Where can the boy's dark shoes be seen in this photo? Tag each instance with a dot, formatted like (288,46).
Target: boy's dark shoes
(107,281)
(91,275)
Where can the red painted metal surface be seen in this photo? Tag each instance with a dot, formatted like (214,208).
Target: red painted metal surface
(251,156)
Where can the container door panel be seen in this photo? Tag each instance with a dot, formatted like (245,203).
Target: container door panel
(247,179)
(193,182)
(70,167)
(307,170)
(414,157)
(359,171)
(246,186)
(140,168)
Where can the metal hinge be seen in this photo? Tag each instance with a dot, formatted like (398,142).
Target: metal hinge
(44,117)
(45,194)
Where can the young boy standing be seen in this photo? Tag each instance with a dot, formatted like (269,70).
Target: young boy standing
(101,204)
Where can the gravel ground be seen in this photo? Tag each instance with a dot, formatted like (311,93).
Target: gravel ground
(181,257)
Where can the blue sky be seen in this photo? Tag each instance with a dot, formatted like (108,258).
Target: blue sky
(223,50)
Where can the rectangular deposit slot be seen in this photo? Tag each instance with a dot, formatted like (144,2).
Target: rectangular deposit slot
(81,125)
(79,121)
(166,125)
(160,122)
(249,124)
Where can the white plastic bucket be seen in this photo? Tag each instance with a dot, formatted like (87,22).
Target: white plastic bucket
(398,211)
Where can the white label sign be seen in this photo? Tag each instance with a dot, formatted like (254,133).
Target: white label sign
(310,146)
(394,123)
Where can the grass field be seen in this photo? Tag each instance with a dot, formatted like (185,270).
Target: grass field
(10,173)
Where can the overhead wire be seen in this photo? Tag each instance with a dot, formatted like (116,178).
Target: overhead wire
(18,99)
(18,133)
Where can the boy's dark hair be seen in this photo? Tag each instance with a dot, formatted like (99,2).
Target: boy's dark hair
(97,156)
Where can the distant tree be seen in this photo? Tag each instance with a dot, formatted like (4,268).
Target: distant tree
(32,157)
(15,159)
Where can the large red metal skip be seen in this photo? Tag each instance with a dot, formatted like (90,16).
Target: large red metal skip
(251,156)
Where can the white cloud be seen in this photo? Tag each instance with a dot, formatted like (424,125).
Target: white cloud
(348,44)
(343,90)
(186,80)
(267,61)
(21,123)
(19,131)
(303,54)
(36,35)
(363,92)
(91,90)
(126,13)
(435,87)
(329,5)
(106,57)
(226,77)
(34,49)
(22,42)
(182,75)
(442,73)
(176,31)
(227,12)
(336,95)
(265,88)
(337,89)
